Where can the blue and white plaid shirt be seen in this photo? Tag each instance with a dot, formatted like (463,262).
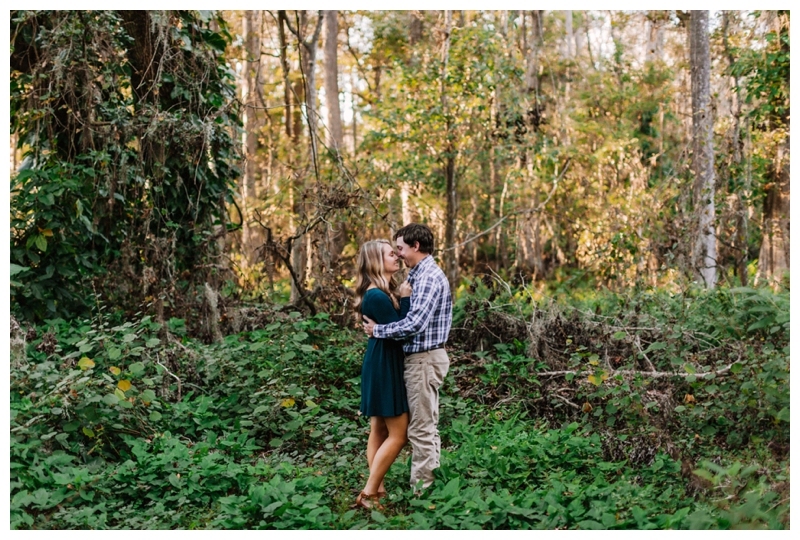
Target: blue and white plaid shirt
(427,324)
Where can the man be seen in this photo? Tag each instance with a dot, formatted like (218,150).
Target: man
(424,330)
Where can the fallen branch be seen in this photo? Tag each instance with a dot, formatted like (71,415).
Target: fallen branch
(173,375)
(653,374)
(568,402)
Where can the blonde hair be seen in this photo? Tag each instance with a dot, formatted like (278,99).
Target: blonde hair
(370,271)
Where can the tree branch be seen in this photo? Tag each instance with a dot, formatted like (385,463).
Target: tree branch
(518,212)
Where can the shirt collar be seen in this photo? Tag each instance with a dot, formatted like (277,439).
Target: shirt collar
(412,274)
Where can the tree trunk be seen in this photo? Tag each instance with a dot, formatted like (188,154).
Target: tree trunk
(742,188)
(337,238)
(334,133)
(773,260)
(532,59)
(250,64)
(287,85)
(704,252)
(451,255)
(570,38)
(414,28)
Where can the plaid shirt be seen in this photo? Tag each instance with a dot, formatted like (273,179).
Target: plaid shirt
(427,324)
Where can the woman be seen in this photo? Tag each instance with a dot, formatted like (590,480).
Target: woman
(383,392)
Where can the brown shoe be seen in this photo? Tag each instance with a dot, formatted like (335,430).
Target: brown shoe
(370,502)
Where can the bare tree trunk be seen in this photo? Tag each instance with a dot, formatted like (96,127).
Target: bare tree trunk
(451,255)
(570,48)
(287,86)
(704,252)
(736,142)
(334,133)
(353,81)
(773,259)
(337,238)
(532,60)
(250,63)
(414,27)
(307,50)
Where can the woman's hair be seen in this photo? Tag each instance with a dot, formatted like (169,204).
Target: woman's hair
(370,270)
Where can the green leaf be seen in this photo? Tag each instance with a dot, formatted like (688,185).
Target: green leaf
(656,346)
(136,367)
(16,269)
(110,399)
(41,242)
(155,416)
(377,516)
(148,395)
(114,353)
(736,367)
(619,335)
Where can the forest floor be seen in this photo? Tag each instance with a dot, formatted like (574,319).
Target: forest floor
(645,411)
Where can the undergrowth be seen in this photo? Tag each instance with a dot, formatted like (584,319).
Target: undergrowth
(135,425)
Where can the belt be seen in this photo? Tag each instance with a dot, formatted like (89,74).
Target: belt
(429,350)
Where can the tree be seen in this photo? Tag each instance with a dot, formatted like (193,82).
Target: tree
(334,135)
(250,66)
(128,118)
(773,80)
(450,255)
(704,253)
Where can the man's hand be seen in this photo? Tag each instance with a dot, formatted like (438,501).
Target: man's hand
(404,289)
(369,324)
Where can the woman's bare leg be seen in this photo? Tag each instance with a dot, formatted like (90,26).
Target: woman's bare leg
(378,433)
(388,451)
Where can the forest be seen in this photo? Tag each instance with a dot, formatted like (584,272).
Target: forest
(609,197)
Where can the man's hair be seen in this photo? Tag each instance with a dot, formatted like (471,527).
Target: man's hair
(417,232)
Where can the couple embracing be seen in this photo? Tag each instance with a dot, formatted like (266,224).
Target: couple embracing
(406,362)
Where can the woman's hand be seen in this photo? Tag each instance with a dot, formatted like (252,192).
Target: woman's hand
(404,290)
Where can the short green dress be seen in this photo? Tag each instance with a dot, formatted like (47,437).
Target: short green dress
(383,390)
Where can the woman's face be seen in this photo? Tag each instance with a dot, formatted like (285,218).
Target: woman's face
(390,261)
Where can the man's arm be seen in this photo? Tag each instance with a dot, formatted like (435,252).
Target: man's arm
(426,293)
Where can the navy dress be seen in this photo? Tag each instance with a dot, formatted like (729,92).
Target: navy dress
(383,390)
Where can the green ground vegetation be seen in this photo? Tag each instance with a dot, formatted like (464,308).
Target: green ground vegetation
(134,425)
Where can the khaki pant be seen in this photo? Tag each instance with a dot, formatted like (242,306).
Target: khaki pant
(424,374)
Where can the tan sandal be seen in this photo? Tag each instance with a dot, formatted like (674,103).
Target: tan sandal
(370,502)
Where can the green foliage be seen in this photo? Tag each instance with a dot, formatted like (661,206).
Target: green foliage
(123,175)
(264,432)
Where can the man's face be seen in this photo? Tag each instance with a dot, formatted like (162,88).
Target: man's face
(406,252)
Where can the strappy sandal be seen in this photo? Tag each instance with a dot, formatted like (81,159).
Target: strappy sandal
(370,502)
(381,494)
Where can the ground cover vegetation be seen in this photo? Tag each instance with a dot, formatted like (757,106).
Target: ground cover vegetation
(113,427)
(188,193)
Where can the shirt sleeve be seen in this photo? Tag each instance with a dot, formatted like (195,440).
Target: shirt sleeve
(425,296)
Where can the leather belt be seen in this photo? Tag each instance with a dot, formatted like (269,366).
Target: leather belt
(429,350)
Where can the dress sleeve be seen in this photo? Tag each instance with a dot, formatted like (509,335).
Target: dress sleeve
(381,309)
(405,306)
